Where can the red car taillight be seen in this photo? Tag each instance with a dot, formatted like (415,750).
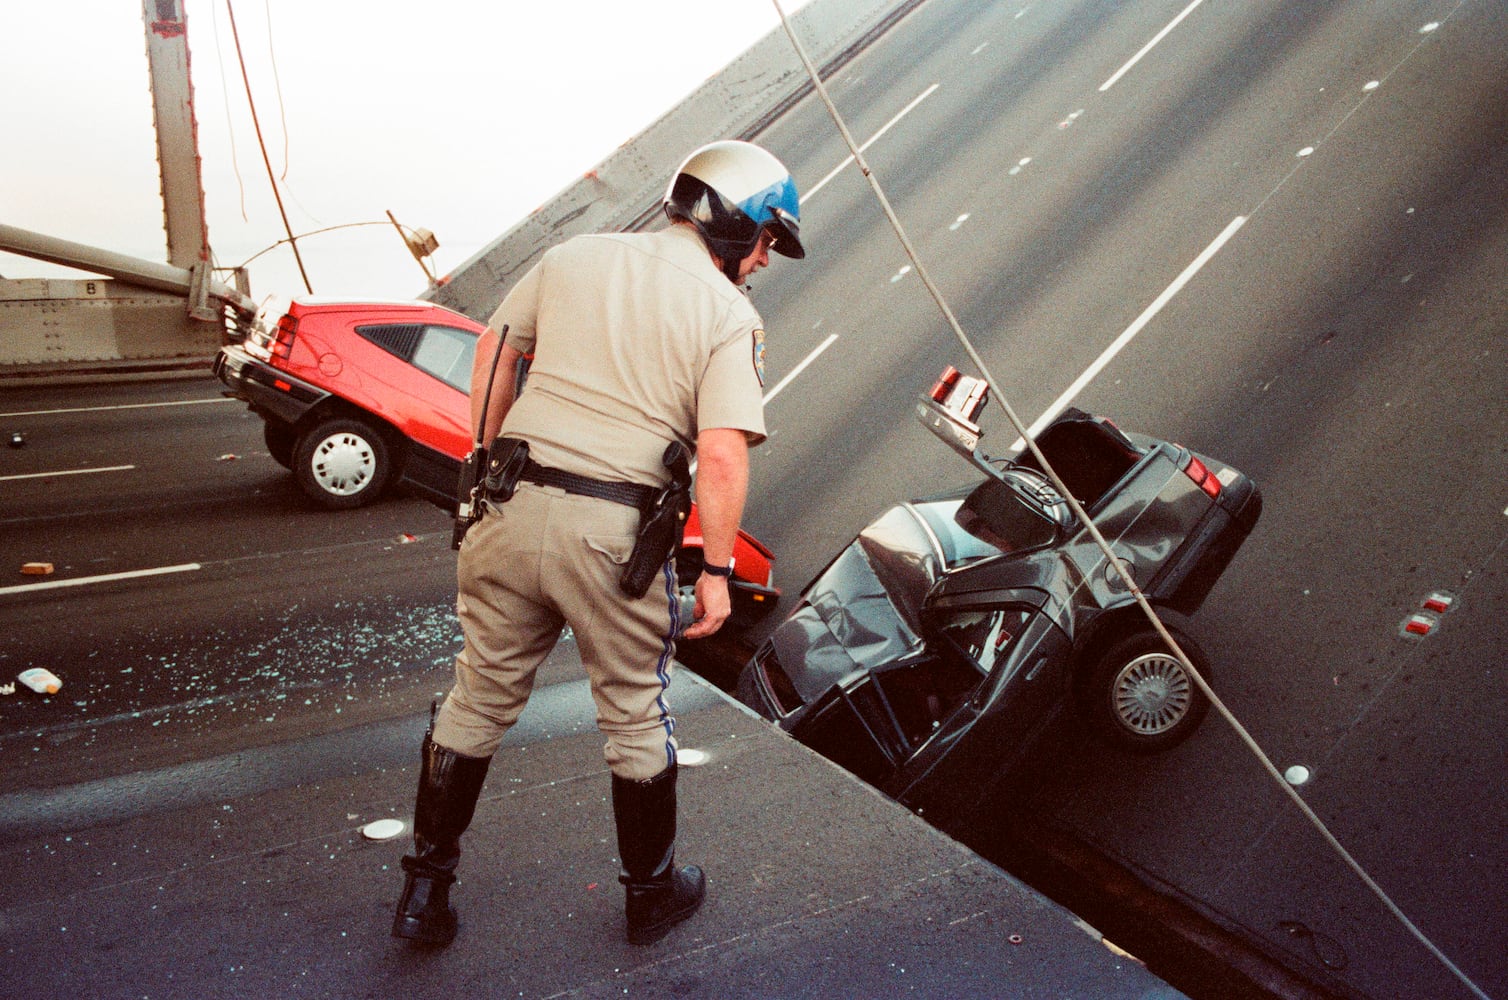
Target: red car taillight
(944,384)
(1202,477)
(282,344)
(962,394)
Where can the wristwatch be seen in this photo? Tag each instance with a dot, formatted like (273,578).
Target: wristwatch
(722,571)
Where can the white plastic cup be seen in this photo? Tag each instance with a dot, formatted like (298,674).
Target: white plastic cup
(40,680)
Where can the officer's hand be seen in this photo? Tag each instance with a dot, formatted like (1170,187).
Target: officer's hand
(712,606)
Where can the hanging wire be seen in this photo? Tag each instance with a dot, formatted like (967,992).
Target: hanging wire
(230,127)
(277,86)
(1094,531)
(292,241)
(316,232)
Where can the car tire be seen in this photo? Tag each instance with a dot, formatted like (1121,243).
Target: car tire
(688,566)
(1139,697)
(281,442)
(341,463)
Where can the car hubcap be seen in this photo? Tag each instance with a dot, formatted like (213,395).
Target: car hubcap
(343,464)
(1152,693)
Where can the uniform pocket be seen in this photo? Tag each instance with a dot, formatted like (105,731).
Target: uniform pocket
(616,547)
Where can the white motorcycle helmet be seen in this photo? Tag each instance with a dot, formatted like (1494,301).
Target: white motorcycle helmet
(732,191)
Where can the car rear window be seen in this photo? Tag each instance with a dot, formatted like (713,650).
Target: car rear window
(445,352)
(395,338)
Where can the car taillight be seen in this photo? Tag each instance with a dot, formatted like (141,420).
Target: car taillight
(944,384)
(282,344)
(962,394)
(1202,477)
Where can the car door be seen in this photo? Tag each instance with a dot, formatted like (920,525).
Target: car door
(1023,658)
(425,396)
(874,722)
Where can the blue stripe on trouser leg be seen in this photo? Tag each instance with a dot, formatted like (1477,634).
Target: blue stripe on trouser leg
(662,668)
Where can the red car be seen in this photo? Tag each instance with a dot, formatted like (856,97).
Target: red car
(356,397)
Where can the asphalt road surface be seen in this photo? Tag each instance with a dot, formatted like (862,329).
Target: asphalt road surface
(1274,232)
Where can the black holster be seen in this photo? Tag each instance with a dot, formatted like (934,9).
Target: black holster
(505,466)
(661,523)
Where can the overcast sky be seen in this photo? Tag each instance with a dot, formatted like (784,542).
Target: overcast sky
(460,116)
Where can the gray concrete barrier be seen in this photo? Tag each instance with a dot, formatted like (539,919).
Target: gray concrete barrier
(623,192)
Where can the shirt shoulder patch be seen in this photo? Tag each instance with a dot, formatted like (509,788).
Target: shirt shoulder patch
(759,356)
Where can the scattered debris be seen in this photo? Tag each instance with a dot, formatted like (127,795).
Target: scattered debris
(7,689)
(383,829)
(1438,601)
(405,538)
(16,440)
(37,568)
(1117,950)
(227,457)
(1434,605)
(41,680)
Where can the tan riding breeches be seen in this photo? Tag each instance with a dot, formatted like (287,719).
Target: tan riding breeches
(543,560)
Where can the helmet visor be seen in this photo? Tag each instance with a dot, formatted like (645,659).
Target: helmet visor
(720,218)
(787,232)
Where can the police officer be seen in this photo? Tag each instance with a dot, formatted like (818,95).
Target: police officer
(638,341)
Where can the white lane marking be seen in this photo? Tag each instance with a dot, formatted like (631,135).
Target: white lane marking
(849,159)
(66,472)
(1149,46)
(791,375)
(119,406)
(105,578)
(1131,331)
(818,187)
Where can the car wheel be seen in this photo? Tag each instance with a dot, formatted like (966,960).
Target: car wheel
(1140,697)
(341,463)
(688,566)
(280,441)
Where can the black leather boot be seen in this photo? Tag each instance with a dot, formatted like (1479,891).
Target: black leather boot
(659,895)
(449,784)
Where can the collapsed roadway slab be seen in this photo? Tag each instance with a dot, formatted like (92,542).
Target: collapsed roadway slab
(819,887)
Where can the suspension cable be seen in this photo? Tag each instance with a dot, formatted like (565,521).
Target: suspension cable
(277,196)
(1094,531)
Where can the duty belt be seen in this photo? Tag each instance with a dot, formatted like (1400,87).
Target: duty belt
(633,495)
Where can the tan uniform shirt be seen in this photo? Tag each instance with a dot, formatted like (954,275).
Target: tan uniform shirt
(638,340)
